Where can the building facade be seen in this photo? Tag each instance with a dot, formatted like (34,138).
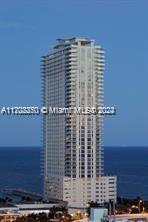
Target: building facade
(73,75)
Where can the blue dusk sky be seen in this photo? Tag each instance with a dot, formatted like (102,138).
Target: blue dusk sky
(28,28)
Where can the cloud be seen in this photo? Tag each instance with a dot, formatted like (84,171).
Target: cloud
(9,25)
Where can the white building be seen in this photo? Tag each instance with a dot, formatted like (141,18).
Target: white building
(99,215)
(73,154)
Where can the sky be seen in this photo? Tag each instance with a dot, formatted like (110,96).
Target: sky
(28,29)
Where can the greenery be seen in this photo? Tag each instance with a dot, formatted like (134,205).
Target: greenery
(123,205)
(130,205)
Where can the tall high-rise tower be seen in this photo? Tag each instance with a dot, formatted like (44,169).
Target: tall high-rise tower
(73,154)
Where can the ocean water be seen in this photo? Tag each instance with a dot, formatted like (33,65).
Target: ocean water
(130,164)
(20,168)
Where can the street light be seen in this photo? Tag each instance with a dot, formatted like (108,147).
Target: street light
(112,204)
(139,204)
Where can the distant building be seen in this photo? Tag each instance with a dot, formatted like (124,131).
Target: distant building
(10,213)
(25,209)
(99,215)
(72,75)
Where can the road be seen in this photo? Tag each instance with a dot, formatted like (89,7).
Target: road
(131,216)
